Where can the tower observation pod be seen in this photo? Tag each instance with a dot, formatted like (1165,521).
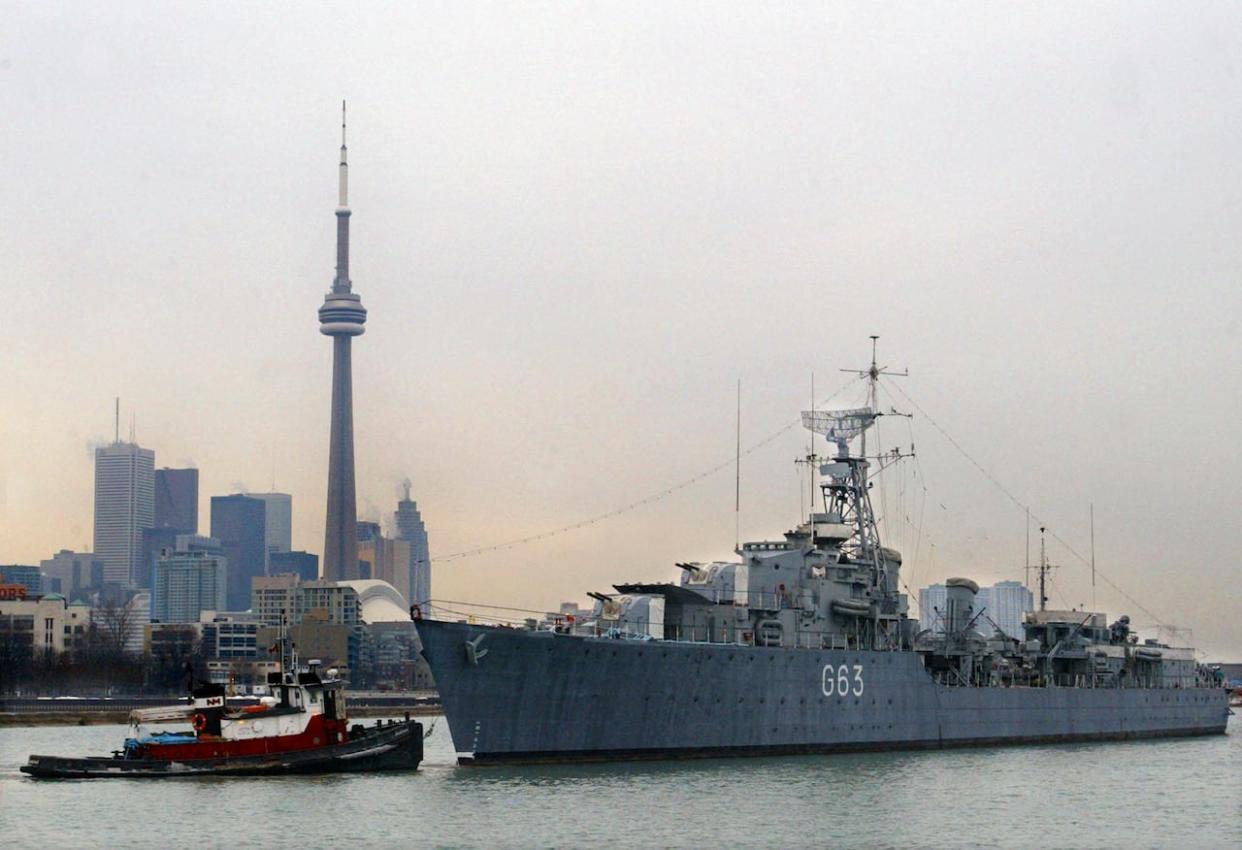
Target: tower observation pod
(342,317)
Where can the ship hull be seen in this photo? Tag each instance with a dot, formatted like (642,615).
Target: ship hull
(522,696)
(397,746)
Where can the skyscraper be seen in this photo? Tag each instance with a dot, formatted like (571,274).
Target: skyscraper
(27,576)
(176,499)
(124,506)
(279,520)
(410,527)
(184,584)
(384,558)
(303,564)
(238,522)
(370,549)
(1003,604)
(73,571)
(932,607)
(154,542)
(341,317)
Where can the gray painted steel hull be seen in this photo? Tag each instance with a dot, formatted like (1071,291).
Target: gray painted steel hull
(539,696)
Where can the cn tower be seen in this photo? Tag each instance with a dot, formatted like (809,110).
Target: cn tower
(341,317)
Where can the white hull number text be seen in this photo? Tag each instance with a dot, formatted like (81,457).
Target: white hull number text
(838,682)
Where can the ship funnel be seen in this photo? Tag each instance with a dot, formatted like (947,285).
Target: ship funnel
(959,604)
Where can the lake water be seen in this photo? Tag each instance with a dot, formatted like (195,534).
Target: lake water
(1163,793)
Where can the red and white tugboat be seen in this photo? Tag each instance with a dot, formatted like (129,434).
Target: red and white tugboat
(301,727)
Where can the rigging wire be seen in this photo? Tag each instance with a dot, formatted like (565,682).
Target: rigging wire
(443,602)
(647,500)
(916,476)
(1021,506)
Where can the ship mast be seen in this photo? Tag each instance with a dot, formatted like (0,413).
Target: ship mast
(872,374)
(1044,567)
(846,489)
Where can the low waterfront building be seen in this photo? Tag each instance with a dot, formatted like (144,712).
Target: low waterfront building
(393,658)
(230,635)
(241,675)
(334,644)
(171,641)
(38,626)
(274,597)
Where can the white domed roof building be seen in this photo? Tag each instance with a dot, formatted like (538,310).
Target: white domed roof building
(380,601)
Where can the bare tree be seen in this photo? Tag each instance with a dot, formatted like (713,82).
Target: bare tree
(111,625)
(113,622)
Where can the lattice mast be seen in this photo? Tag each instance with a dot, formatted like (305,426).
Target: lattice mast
(845,481)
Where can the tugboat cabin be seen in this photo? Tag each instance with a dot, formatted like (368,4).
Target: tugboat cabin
(303,711)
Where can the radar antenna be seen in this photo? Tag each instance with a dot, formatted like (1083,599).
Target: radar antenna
(839,426)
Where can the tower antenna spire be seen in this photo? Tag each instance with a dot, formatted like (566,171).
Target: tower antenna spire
(344,167)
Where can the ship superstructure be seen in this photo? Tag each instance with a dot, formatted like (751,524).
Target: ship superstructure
(804,644)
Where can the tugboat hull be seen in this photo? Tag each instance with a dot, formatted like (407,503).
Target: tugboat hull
(397,746)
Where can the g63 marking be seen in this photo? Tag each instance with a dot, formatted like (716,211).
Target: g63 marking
(836,681)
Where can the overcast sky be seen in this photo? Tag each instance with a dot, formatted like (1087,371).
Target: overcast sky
(576,226)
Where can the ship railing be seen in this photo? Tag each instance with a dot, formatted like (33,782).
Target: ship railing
(745,636)
(760,600)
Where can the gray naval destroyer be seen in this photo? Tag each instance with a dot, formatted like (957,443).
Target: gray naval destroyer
(804,645)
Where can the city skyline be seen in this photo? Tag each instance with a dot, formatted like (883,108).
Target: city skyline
(572,254)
